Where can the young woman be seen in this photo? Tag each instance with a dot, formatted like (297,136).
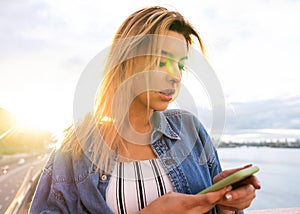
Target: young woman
(132,154)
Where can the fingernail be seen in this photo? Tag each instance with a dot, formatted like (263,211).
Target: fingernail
(259,186)
(229,188)
(228,196)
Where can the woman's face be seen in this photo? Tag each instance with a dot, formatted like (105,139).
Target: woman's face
(163,84)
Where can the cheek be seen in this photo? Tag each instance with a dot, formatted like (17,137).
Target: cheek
(143,98)
(138,87)
(159,80)
(154,81)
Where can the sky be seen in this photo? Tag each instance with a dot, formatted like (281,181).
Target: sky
(252,46)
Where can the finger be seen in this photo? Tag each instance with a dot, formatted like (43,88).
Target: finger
(239,199)
(242,167)
(238,205)
(243,193)
(211,197)
(228,172)
(255,182)
(250,180)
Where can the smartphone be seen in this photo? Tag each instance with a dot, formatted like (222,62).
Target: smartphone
(231,179)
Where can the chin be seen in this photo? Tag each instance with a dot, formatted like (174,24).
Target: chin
(160,108)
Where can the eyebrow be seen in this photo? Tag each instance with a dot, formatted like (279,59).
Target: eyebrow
(172,56)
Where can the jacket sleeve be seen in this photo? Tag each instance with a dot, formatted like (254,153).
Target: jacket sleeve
(212,156)
(44,199)
(69,186)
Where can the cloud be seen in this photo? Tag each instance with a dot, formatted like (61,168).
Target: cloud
(265,114)
(25,26)
(253,46)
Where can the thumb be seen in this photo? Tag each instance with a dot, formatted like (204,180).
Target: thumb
(211,197)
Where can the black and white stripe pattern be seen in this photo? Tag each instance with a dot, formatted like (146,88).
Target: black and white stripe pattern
(120,190)
(160,184)
(140,186)
(134,185)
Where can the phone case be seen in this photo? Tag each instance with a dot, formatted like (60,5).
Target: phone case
(231,179)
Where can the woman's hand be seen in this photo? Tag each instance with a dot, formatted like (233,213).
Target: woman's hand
(242,194)
(174,202)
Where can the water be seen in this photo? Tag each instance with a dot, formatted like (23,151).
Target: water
(279,173)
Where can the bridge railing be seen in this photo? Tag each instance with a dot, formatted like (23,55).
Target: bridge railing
(21,202)
(292,210)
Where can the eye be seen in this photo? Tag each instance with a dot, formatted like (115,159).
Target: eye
(162,64)
(181,67)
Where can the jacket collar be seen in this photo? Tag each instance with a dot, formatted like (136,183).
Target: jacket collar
(162,127)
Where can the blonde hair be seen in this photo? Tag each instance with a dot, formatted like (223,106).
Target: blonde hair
(99,125)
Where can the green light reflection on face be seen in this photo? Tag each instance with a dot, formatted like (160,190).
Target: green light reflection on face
(170,67)
(172,71)
(170,62)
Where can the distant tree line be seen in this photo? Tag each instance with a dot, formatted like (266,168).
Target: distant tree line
(273,144)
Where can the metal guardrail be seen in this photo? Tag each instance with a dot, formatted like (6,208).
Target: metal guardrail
(20,203)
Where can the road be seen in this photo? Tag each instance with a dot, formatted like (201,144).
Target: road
(12,176)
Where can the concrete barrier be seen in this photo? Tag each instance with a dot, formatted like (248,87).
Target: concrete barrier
(294,210)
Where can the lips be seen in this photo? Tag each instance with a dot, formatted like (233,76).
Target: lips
(167,94)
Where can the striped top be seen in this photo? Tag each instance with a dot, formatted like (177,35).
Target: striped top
(134,185)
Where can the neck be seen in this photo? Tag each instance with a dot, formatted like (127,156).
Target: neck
(136,135)
(140,119)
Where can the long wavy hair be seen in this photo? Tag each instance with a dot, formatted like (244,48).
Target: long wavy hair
(98,131)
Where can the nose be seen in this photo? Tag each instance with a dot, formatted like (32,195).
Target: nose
(174,80)
(174,72)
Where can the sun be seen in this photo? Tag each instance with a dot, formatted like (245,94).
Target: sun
(40,118)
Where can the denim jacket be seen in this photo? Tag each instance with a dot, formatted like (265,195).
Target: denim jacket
(180,142)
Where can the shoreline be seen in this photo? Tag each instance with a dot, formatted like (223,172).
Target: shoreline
(292,145)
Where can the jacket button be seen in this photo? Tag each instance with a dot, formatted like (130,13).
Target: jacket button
(103,177)
(168,162)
